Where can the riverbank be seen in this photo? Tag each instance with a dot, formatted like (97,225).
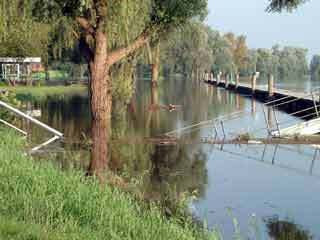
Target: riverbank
(45,91)
(39,201)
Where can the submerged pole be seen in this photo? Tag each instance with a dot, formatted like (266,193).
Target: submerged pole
(237,80)
(218,78)
(271,85)
(211,77)
(253,107)
(226,83)
(238,101)
(254,82)
(207,77)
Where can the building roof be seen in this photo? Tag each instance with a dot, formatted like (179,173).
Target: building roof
(20,60)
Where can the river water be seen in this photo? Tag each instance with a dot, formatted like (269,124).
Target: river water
(270,191)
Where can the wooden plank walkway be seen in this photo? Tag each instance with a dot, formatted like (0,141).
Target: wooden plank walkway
(263,89)
(299,104)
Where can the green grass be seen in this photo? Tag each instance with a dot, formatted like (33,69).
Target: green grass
(38,201)
(42,92)
(47,90)
(53,75)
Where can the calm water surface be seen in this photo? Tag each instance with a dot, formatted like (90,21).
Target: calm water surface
(270,189)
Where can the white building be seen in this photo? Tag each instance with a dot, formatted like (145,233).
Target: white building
(15,70)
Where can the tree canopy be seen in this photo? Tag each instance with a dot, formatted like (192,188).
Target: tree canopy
(288,5)
(124,19)
(20,35)
(36,25)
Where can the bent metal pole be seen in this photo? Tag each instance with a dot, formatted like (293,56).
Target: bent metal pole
(31,119)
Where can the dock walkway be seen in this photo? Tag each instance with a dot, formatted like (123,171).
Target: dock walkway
(247,88)
(304,105)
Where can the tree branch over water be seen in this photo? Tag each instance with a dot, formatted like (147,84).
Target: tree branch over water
(280,5)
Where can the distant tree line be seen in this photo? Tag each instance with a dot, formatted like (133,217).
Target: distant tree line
(282,62)
(197,47)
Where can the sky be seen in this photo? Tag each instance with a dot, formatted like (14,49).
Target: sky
(263,30)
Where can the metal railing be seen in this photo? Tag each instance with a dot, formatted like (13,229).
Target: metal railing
(274,158)
(215,123)
(57,134)
(289,100)
(219,121)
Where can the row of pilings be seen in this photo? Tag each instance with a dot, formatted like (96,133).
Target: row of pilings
(287,101)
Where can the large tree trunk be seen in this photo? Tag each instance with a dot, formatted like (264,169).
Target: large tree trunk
(154,61)
(156,64)
(153,120)
(100,61)
(101,106)
(154,96)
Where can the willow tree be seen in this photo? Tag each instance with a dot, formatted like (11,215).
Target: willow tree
(20,35)
(95,29)
(289,5)
(187,49)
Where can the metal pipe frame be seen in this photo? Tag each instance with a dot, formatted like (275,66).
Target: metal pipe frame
(14,127)
(31,119)
(57,134)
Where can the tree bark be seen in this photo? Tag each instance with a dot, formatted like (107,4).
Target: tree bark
(118,54)
(101,107)
(100,129)
(154,96)
(156,65)
(100,61)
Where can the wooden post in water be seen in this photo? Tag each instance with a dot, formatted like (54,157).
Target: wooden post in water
(211,77)
(218,78)
(238,101)
(253,107)
(237,80)
(207,76)
(270,119)
(226,83)
(270,85)
(254,82)
(219,97)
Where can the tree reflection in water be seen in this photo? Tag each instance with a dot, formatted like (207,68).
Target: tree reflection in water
(166,173)
(286,230)
(177,171)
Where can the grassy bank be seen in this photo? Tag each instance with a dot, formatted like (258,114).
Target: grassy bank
(42,92)
(38,201)
(53,74)
(46,90)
